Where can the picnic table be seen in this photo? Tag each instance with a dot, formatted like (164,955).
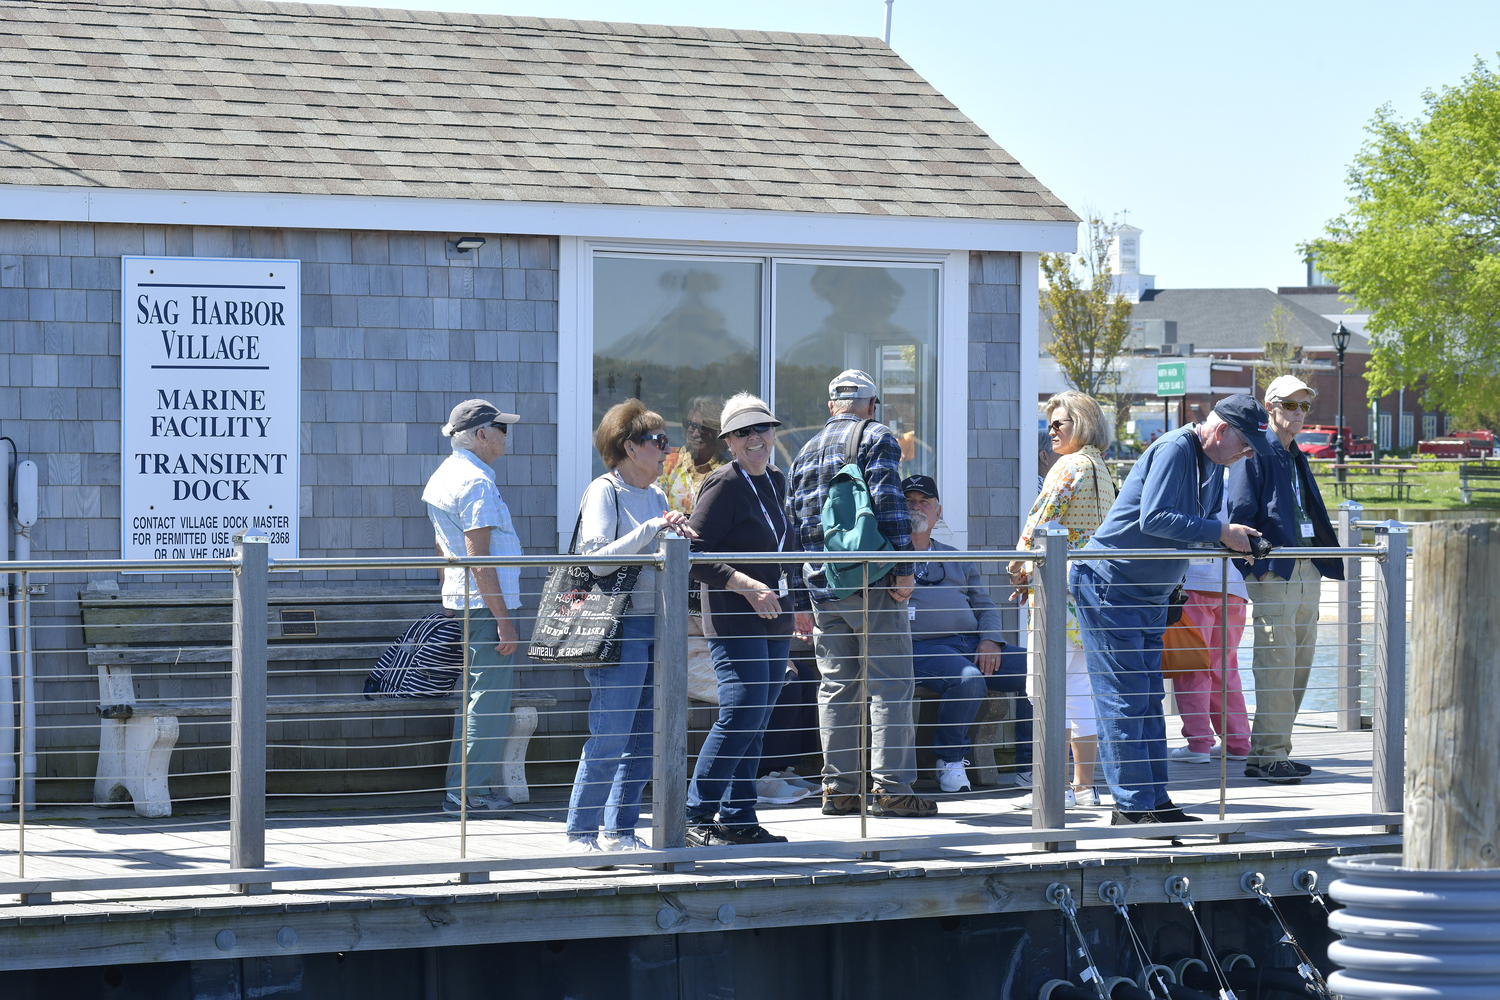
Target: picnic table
(1400,488)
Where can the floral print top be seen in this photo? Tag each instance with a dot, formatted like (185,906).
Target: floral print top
(1077,494)
(680,480)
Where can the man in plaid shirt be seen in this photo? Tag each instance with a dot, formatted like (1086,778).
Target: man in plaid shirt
(852,398)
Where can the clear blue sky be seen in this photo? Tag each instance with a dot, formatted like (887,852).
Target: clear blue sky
(1225,129)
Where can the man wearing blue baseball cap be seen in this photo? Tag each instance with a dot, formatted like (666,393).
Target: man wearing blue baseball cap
(1171,500)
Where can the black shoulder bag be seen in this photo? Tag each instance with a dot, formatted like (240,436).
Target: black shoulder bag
(581,618)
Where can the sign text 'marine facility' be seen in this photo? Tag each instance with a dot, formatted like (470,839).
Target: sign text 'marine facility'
(211,397)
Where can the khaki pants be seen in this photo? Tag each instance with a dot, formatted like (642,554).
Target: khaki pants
(890,684)
(1286,630)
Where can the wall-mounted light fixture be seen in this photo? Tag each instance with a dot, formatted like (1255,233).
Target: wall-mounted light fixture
(466,243)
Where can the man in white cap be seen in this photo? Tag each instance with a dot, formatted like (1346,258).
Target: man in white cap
(1275,493)
(841,615)
(469,518)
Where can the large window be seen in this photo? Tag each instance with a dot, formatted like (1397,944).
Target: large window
(679,333)
(882,320)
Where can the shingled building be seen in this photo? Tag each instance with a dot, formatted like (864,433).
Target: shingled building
(553,215)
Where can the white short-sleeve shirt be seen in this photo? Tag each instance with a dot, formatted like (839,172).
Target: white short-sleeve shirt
(462,496)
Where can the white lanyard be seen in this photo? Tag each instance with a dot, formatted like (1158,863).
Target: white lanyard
(779,536)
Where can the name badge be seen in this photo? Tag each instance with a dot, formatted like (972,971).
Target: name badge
(911,613)
(1307,529)
(782,589)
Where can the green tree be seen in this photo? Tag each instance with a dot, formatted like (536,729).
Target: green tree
(1280,355)
(1419,246)
(1090,324)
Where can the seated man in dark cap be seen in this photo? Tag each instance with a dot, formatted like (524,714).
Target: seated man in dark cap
(956,649)
(1170,500)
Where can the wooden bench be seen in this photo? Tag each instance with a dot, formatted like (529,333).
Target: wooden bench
(162,656)
(1483,473)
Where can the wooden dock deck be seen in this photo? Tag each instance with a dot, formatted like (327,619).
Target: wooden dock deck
(975,857)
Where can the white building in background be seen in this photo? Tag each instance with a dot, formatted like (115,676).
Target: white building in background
(1125,264)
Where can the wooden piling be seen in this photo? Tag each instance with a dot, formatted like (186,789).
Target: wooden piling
(1453,731)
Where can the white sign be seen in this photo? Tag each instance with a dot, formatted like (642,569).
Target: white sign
(211,378)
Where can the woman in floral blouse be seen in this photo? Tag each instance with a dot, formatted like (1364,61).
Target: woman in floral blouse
(688,466)
(1077,494)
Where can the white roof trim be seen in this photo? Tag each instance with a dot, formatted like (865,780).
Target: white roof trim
(426,215)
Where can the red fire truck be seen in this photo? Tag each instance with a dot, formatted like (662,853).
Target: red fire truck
(1462,445)
(1317,441)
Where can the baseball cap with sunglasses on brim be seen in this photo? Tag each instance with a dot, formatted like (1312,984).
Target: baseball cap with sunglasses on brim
(853,384)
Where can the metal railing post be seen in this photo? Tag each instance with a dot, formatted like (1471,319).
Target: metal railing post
(247,721)
(1347,716)
(669,766)
(1388,759)
(1049,622)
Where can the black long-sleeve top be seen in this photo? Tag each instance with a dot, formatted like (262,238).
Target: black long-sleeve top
(736,512)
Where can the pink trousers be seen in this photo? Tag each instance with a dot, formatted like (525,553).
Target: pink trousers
(1198,693)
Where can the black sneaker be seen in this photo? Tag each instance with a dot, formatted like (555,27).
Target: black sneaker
(1300,767)
(753,835)
(1278,772)
(710,835)
(1171,814)
(1146,817)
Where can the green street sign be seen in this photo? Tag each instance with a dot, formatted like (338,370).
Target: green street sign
(1171,378)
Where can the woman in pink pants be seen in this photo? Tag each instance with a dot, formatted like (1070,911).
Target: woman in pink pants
(1198,693)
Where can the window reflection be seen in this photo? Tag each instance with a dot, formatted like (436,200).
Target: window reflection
(882,320)
(681,335)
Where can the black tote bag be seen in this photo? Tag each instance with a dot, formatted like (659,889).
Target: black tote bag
(581,618)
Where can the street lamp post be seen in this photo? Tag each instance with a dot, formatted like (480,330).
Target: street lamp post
(1340,344)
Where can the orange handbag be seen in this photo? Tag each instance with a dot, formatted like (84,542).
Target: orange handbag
(1183,649)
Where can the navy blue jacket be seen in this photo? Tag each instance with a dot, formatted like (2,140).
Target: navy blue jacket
(1261,495)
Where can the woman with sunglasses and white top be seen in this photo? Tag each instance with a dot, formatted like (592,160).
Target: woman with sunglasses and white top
(1077,494)
(623,512)
(748,620)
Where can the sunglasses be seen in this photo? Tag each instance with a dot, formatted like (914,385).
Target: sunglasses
(1305,406)
(1057,425)
(693,427)
(659,438)
(501,428)
(745,432)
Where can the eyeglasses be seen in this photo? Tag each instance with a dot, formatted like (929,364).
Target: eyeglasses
(744,432)
(659,438)
(693,427)
(501,428)
(924,571)
(1057,425)
(1305,406)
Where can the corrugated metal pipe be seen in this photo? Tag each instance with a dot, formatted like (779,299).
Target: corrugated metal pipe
(1415,932)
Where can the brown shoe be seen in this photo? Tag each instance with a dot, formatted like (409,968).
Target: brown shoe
(835,804)
(903,805)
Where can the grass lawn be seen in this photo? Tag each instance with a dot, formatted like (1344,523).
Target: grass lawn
(1434,487)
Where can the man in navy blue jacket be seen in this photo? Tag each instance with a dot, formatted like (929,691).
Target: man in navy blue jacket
(1171,500)
(1275,492)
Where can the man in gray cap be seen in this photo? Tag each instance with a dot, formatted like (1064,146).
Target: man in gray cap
(470,519)
(841,617)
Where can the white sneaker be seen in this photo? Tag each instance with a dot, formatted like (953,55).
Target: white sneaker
(588,847)
(791,777)
(1022,779)
(1218,751)
(624,842)
(775,791)
(1070,801)
(1088,798)
(1187,755)
(951,775)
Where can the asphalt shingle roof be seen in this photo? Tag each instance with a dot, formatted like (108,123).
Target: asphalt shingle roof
(1233,319)
(245,96)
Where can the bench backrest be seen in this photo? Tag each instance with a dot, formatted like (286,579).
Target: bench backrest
(203,617)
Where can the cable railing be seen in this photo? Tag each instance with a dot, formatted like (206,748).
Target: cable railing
(239,723)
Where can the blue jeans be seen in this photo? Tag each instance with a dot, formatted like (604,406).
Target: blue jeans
(616,760)
(945,666)
(1122,644)
(751,670)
